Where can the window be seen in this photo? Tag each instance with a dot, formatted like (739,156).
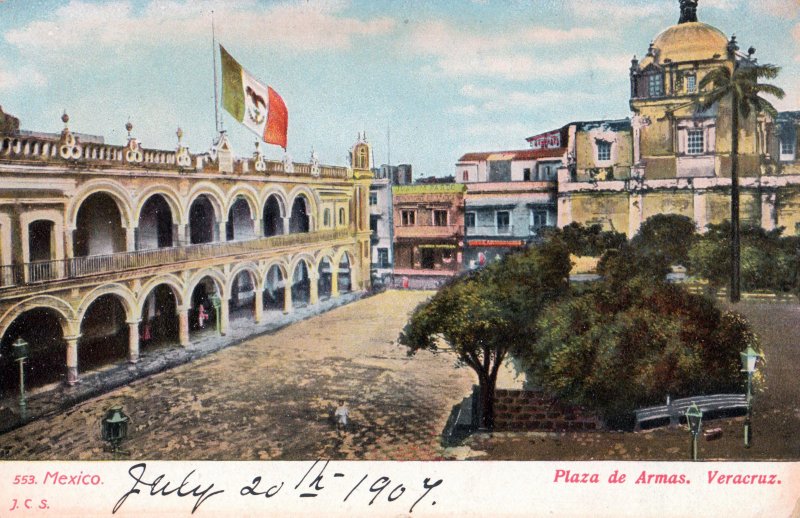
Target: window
(469,220)
(603,150)
(694,142)
(538,218)
(373,198)
(503,219)
(787,143)
(655,85)
(383,257)
(526,174)
(408,218)
(465,176)
(440,218)
(691,83)
(373,225)
(341,216)
(326,218)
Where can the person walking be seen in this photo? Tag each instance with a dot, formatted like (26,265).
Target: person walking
(341,414)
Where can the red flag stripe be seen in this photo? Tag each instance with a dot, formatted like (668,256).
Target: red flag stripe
(277,120)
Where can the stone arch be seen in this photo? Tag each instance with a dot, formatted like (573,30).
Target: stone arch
(174,283)
(310,263)
(66,313)
(250,194)
(125,295)
(117,192)
(313,204)
(282,265)
(214,195)
(216,275)
(254,271)
(281,195)
(170,196)
(352,280)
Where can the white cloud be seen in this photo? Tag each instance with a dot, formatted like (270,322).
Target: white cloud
(618,12)
(117,28)
(489,100)
(13,78)
(515,55)
(779,8)
(796,36)
(503,130)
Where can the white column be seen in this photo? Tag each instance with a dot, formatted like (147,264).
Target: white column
(182,239)
(313,285)
(130,239)
(72,359)
(224,316)
(334,280)
(258,312)
(769,219)
(133,341)
(700,210)
(183,326)
(287,298)
(635,213)
(222,235)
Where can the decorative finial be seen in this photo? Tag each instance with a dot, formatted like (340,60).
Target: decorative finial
(733,45)
(129,127)
(178,133)
(688,11)
(65,118)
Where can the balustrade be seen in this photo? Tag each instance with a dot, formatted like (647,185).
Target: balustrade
(43,271)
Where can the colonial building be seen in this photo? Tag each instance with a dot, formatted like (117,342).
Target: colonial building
(381,224)
(111,250)
(510,197)
(428,233)
(672,158)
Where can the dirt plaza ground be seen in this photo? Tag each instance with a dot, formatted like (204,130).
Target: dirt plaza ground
(272,397)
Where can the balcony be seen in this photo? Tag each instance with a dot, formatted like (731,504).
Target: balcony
(428,231)
(77,267)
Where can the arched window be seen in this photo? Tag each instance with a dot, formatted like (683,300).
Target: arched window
(341,215)
(362,157)
(326,218)
(465,176)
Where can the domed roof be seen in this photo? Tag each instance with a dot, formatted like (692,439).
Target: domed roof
(691,41)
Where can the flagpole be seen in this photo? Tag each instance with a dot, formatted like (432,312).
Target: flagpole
(217,122)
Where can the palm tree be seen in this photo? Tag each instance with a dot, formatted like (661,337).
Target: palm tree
(741,86)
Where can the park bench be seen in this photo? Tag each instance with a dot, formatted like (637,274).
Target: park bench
(675,409)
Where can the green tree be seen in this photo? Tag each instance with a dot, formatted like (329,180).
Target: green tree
(668,236)
(620,347)
(489,313)
(741,88)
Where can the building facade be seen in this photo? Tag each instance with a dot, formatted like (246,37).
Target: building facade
(111,250)
(381,224)
(428,233)
(510,196)
(670,157)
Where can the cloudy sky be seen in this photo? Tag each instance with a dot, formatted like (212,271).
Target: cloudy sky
(443,77)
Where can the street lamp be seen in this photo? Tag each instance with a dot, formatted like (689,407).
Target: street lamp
(217,303)
(749,358)
(20,354)
(114,429)
(694,417)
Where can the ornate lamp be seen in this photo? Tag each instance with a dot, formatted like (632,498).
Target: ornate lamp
(114,429)
(749,362)
(694,417)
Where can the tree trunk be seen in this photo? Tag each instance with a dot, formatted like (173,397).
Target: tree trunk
(735,293)
(487,385)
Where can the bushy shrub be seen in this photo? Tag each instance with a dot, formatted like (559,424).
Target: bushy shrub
(625,345)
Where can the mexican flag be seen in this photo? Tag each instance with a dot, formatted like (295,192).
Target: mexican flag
(258,107)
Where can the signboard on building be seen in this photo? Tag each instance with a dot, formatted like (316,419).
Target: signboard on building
(550,140)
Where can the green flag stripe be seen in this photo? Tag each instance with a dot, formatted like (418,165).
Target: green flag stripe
(232,90)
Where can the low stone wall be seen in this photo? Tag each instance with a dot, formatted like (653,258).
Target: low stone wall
(529,410)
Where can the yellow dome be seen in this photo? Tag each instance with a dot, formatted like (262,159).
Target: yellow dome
(692,41)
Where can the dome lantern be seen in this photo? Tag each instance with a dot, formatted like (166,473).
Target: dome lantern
(688,11)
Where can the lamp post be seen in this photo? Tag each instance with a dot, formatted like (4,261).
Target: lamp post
(20,354)
(694,417)
(749,358)
(114,429)
(217,303)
